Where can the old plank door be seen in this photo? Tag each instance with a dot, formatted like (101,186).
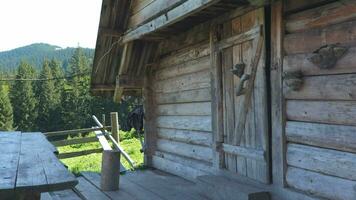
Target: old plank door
(241,124)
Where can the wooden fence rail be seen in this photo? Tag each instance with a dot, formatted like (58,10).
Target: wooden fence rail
(83,140)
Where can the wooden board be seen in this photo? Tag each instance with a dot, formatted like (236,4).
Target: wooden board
(185,82)
(188,67)
(187,96)
(167,186)
(309,41)
(191,109)
(324,161)
(38,168)
(322,16)
(89,191)
(295,62)
(172,16)
(152,9)
(10,147)
(338,137)
(333,87)
(186,136)
(331,112)
(194,123)
(320,185)
(187,150)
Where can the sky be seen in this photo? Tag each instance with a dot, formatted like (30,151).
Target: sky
(66,23)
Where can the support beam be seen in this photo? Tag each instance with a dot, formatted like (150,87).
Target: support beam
(172,16)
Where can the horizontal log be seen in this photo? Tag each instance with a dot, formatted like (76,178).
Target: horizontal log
(190,151)
(309,41)
(295,62)
(294,6)
(74,141)
(172,16)
(321,16)
(186,136)
(240,38)
(247,152)
(194,109)
(322,135)
(332,87)
(151,10)
(186,82)
(330,112)
(178,169)
(189,53)
(194,123)
(79,153)
(320,185)
(77,131)
(325,161)
(184,68)
(197,164)
(198,95)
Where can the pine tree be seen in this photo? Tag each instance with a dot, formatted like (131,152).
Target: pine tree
(23,99)
(46,98)
(59,83)
(6,112)
(76,100)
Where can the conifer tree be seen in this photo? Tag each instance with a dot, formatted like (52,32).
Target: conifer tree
(46,98)
(6,112)
(76,100)
(23,99)
(59,82)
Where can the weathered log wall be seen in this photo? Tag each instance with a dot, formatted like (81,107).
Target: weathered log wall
(321,115)
(181,82)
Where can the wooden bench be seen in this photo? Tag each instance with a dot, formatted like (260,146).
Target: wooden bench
(29,166)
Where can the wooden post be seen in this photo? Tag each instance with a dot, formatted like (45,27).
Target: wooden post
(115,125)
(110,170)
(103,119)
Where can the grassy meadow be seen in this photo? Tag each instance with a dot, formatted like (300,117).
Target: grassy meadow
(128,140)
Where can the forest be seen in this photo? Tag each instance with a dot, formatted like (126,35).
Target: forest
(54,97)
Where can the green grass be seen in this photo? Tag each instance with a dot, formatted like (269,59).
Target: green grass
(92,162)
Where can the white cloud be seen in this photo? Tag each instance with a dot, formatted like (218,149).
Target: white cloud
(58,22)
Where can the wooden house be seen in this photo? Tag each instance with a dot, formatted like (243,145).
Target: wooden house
(239,93)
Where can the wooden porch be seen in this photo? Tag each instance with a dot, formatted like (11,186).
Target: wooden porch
(147,184)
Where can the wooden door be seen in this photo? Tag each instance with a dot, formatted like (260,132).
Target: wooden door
(238,51)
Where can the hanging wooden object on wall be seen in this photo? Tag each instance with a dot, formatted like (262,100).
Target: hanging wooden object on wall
(326,56)
(239,70)
(293,79)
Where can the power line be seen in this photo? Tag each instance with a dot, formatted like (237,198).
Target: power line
(46,79)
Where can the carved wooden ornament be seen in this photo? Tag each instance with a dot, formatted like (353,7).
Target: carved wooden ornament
(326,56)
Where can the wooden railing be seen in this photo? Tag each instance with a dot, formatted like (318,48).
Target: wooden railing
(102,135)
(83,140)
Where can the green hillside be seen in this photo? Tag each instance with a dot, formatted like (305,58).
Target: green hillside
(34,54)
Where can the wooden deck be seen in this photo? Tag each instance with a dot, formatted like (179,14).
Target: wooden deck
(147,184)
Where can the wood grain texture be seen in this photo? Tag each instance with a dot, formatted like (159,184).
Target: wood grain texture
(194,123)
(277,100)
(333,87)
(191,109)
(322,16)
(320,185)
(174,15)
(324,161)
(186,136)
(332,112)
(311,40)
(187,96)
(339,137)
(295,62)
(154,8)
(187,150)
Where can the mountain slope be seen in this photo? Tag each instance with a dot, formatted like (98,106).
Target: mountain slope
(35,54)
